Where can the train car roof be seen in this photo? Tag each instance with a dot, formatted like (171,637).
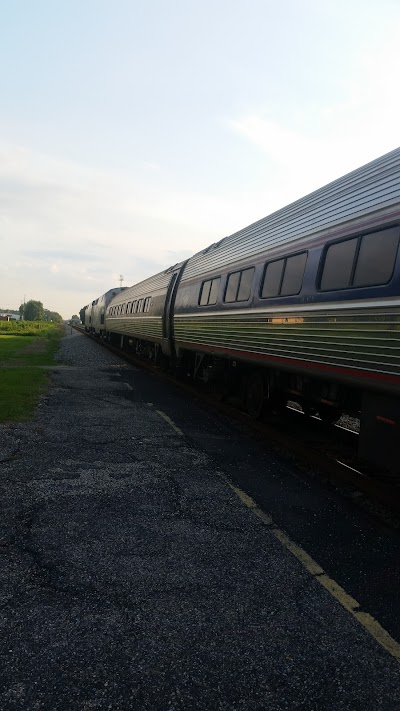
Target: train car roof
(147,286)
(372,187)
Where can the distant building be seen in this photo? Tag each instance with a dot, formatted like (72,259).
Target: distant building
(10,315)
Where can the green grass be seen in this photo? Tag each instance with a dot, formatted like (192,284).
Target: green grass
(40,329)
(22,380)
(27,350)
(20,389)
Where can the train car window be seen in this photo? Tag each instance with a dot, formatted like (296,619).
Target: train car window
(246,281)
(293,274)
(239,285)
(272,278)
(338,265)
(376,258)
(232,287)
(209,292)
(205,293)
(212,299)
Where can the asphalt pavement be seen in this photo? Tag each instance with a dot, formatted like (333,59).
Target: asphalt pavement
(133,576)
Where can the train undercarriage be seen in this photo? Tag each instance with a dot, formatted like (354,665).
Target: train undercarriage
(264,391)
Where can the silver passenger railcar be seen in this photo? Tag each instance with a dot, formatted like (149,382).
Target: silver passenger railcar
(305,303)
(141,317)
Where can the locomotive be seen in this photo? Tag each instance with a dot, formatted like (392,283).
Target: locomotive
(301,305)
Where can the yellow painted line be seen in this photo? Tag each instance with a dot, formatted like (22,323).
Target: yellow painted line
(248,501)
(380,634)
(308,562)
(347,601)
(336,591)
(170,422)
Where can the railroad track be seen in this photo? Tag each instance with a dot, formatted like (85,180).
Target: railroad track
(326,452)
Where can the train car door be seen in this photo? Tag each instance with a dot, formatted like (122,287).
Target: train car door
(168,316)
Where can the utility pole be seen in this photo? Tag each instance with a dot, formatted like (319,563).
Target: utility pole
(121,279)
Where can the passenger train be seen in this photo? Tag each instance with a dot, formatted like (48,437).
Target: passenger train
(302,305)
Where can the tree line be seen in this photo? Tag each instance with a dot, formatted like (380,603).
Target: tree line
(35,311)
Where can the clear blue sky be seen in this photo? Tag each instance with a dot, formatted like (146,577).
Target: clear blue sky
(134,133)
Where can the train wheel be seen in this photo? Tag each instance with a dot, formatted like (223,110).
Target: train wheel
(255,395)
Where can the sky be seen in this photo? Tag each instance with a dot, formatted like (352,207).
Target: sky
(134,133)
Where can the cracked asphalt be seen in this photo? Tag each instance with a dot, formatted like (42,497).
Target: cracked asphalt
(132,577)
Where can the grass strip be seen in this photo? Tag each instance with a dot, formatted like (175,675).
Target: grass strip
(40,329)
(26,347)
(27,350)
(20,389)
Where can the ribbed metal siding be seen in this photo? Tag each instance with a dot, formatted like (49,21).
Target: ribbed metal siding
(374,186)
(362,338)
(146,328)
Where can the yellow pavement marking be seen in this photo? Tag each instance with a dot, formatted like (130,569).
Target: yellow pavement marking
(347,601)
(247,500)
(170,422)
(334,588)
(298,552)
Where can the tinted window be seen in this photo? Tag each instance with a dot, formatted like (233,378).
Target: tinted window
(338,265)
(246,281)
(293,275)
(272,278)
(205,293)
(232,287)
(212,299)
(376,258)
(209,292)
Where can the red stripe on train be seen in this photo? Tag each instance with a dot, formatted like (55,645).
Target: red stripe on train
(293,361)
